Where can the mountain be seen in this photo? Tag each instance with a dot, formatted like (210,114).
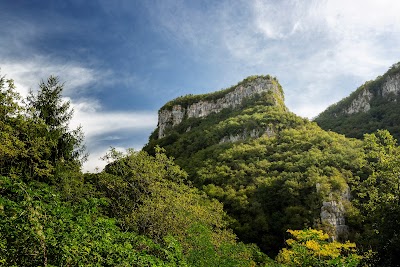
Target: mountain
(272,169)
(252,172)
(374,105)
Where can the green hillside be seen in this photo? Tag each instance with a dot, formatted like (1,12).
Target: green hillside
(280,179)
(384,112)
(251,184)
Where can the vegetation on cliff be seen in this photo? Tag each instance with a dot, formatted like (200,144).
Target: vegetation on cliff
(279,179)
(231,204)
(187,100)
(384,112)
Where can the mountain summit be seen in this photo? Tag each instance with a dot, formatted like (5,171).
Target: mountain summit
(200,106)
(193,122)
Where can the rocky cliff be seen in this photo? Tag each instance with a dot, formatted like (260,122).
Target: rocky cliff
(391,86)
(200,106)
(361,103)
(245,148)
(389,91)
(374,105)
(333,214)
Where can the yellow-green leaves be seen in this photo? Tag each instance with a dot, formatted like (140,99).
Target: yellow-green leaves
(311,247)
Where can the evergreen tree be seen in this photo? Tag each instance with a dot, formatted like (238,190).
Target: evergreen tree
(49,106)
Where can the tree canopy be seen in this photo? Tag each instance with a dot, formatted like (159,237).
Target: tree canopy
(194,199)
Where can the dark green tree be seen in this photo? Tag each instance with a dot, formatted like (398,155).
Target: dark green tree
(49,106)
(23,150)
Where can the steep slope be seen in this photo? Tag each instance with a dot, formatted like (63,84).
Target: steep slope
(374,105)
(272,169)
(194,122)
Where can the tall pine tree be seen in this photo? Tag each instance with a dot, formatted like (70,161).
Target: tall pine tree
(49,106)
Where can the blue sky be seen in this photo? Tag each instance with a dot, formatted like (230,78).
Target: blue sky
(122,60)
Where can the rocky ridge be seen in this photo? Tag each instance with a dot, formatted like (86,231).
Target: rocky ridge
(171,117)
(374,105)
(389,90)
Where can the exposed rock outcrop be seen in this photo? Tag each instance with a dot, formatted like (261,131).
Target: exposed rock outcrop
(389,90)
(255,133)
(361,103)
(333,215)
(168,118)
(391,85)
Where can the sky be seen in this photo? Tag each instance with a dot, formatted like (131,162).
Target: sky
(121,60)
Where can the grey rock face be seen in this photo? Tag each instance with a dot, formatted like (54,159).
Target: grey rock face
(361,103)
(333,214)
(255,133)
(391,85)
(171,118)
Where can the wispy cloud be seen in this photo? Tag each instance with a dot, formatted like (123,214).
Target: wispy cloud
(29,72)
(103,128)
(309,45)
(95,121)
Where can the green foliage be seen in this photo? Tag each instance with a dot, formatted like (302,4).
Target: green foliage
(149,195)
(311,248)
(36,142)
(187,100)
(143,210)
(23,148)
(269,184)
(39,229)
(47,105)
(203,253)
(138,212)
(377,196)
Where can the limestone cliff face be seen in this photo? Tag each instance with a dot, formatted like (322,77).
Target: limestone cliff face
(391,86)
(168,118)
(361,103)
(254,133)
(333,215)
(389,90)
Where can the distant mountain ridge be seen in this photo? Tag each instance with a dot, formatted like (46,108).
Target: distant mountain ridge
(373,106)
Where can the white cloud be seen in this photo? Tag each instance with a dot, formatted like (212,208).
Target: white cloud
(28,73)
(279,20)
(95,121)
(309,45)
(95,162)
(362,16)
(317,43)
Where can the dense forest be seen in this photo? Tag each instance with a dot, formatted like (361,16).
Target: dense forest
(189,199)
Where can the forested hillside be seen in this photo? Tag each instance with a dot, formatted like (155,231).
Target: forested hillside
(275,171)
(252,184)
(139,211)
(373,106)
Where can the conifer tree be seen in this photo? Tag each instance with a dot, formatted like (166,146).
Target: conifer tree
(49,106)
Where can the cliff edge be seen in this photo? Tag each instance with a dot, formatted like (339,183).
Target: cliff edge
(199,106)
